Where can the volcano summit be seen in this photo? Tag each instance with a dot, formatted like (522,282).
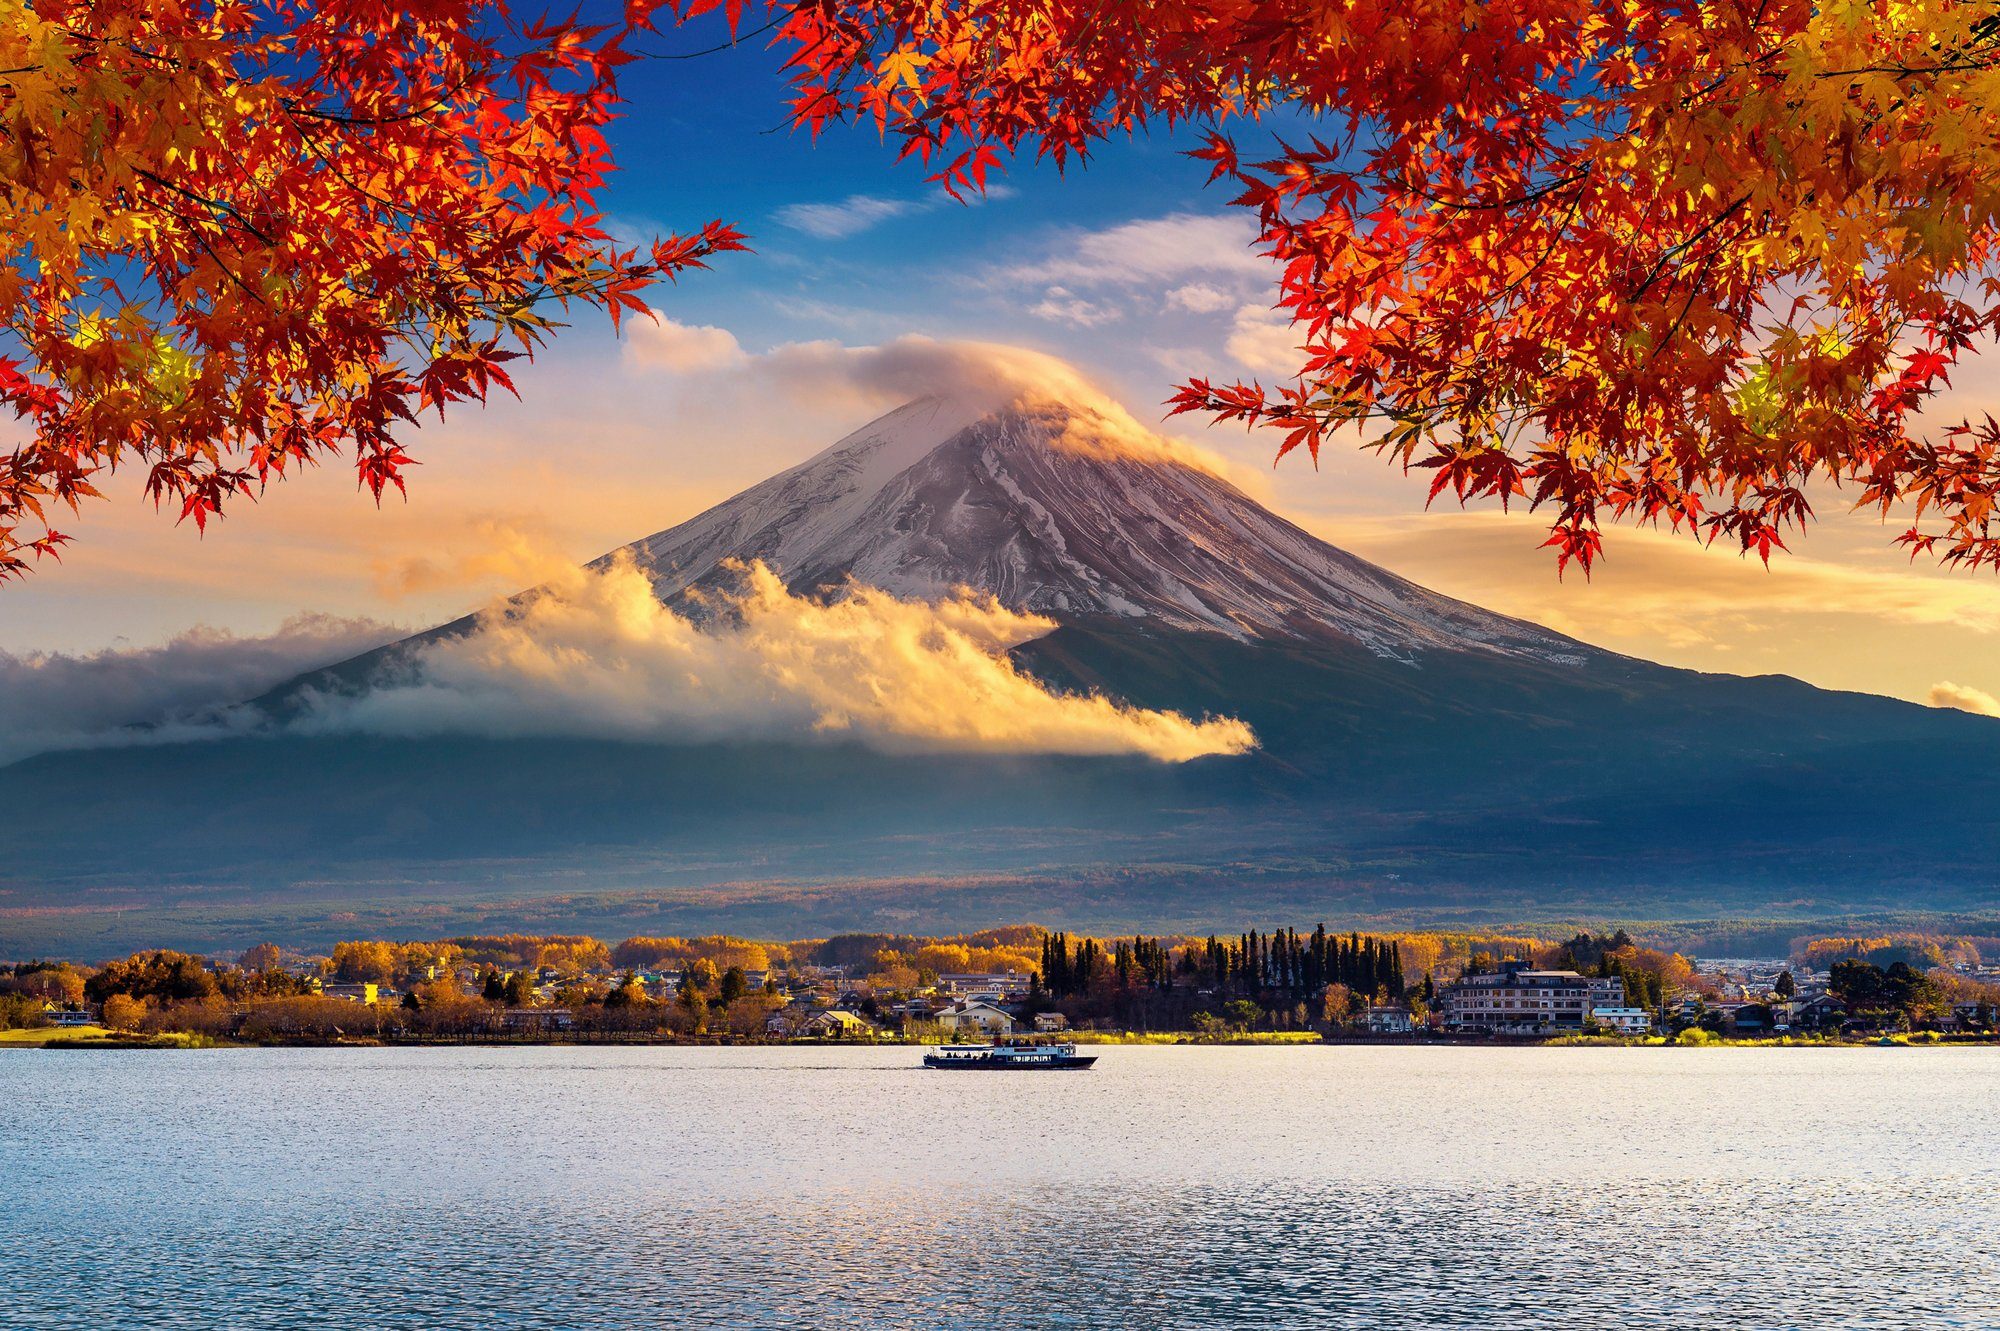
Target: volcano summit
(1066,511)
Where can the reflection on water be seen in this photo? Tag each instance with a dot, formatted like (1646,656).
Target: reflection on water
(841,1188)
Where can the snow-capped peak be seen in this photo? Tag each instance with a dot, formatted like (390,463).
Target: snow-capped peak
(1071,512)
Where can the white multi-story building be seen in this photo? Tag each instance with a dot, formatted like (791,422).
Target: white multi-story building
(992,986)
(1624,1020)
(1520,998)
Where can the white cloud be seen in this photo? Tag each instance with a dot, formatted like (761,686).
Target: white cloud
(595,654)
(1265,341)
(849,217)
(662,344)
(58,701)
(1964,698)
(1199,298)
(1060,305)
(860,212)
(1152,251)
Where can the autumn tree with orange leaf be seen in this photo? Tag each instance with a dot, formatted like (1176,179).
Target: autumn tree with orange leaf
(237,237)
(1623,259)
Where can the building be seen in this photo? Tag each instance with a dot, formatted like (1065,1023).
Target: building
(62,1016)
(974,1017)
(537,1019)
(1735,1016)
(1973,1016)
(1387,1021)
(993,985)
(786,1022)
(352,993)
(1520,999)
(1051,1021)
(1821,1012)
(836,1024)
(1624,1020)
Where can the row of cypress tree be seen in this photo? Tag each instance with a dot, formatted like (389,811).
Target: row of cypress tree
(1283,964)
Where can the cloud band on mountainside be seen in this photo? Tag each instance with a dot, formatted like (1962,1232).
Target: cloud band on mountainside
(177,690)
(596,654)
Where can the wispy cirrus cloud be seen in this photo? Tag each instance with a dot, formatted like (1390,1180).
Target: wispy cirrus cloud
(1186,267)
(857,213)
(1061,305)
(848,217)
(1173,248)
(1264,340)
(1199,298)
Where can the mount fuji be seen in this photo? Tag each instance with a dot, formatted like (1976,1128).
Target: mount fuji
(1419,758)
(1063,511)
(1060,509)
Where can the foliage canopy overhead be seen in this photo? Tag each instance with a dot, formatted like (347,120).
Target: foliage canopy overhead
(1673,263)
(1623,259)
(239,235)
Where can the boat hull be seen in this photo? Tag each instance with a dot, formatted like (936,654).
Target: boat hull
(1056,1063)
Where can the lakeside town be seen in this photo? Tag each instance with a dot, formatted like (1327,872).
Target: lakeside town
(1279,986)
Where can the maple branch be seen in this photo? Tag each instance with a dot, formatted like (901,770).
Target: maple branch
(731,44)
(1674,252)
(1541,260)
(124,42)
(444,99)
(228,272)
(1535,195)
(215,204)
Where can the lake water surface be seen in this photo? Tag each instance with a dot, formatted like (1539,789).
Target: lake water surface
(1169,1187)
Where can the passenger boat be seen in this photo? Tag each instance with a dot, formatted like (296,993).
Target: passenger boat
(1007,1057)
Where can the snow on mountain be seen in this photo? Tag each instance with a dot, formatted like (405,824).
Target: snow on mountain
(1058,509)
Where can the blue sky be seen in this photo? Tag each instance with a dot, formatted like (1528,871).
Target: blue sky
(1130,269)
(853,243)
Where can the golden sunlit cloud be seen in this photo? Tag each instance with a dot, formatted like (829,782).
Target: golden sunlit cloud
(1944,693)
(594,653)
(499,550)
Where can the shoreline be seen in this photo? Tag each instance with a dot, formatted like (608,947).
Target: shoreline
(86,1039)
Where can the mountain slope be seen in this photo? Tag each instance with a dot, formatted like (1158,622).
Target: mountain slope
(1061,509)
(1057,509)
(1420,757)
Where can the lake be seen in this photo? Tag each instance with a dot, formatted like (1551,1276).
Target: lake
(846,1187)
